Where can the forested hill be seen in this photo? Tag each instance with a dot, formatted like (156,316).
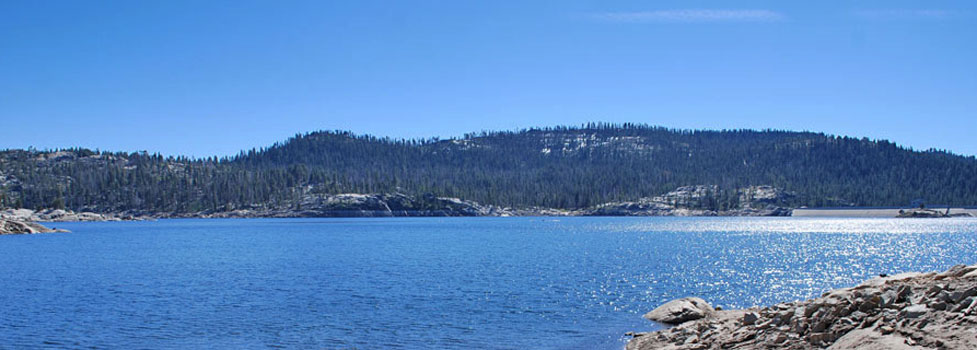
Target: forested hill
(562,167)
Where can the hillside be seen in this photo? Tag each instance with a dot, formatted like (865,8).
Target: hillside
(562,167)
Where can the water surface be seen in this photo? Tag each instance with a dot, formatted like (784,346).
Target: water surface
(424,283)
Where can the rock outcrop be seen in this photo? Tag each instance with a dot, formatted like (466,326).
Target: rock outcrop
(59,215)
(923,213)
(681,310)
(702,200)
(23,227)
(906,311)
(362,205)
(930,213)
(769,210)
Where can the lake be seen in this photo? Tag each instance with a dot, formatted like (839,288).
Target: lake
(430,283)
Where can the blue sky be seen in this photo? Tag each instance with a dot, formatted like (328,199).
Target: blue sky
(206,78)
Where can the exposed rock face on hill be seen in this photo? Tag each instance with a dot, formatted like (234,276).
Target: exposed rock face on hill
(364,205)
(703,200)
(769,210)
(906,311)
(23,227)
(762,196)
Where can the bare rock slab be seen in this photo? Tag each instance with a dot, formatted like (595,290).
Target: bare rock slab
(680,311)
(23,227)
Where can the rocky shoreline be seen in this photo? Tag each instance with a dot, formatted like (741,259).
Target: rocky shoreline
(699,200)
(10,227)
(684,201)
(929,213)
(905,311)
(60,215)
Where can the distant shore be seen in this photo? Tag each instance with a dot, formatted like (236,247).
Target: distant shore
(70,216)
(693,200)
(697,200)
(464,210)
(870,212)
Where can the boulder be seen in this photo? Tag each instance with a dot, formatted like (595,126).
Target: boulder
(914,311)
(680,311)
(750,318)
(868,339)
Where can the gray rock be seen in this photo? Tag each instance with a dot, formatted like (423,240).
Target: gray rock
(750,318)
(866,339)
(914,311)
(807,311)
(881,314)
(961,295)
(680,310)
(889,298)
(958,271)
(964,304)
(819,338)
(17,214)
(870,303)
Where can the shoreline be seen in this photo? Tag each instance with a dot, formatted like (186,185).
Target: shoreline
(904,311)
(350,214)
(685,201)
(57,215)
(18,227)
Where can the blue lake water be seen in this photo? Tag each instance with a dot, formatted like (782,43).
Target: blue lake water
(430,283)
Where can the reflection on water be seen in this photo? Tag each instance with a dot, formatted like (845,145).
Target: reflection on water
(451,283)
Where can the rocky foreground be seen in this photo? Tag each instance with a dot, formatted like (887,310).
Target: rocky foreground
(8,227)
(906,311)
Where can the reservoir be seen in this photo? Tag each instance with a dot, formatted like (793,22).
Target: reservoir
(425,283)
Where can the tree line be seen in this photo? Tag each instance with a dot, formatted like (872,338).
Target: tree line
(558,167)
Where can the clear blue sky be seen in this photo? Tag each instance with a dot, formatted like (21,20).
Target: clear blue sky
(206,78)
